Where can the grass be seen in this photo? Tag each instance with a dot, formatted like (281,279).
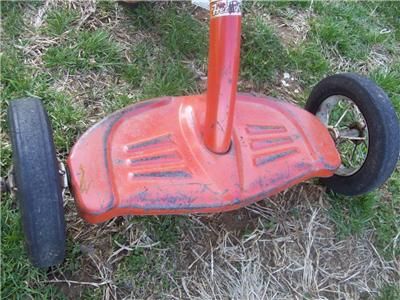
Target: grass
(310,62)
(59,21)
(86,50)
(389,292)
(143,270)
(261,63)
(376,211)
(335,30)
(18,278)
(134,72)
(352,215)
(388,80)
(118,56)
(161,84)
(178,39)
(171,26)
(164,229)
(20,81)
(15,77)
(66,118)
(146,269)
(12,18)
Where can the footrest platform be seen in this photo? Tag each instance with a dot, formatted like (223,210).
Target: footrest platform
(149,158)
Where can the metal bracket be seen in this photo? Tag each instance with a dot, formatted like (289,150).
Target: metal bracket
(64,178)
(7,184)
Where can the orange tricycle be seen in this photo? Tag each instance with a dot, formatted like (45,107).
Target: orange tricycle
(206,153)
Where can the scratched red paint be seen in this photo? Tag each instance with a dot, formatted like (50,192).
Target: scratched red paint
(196,179)
(159,156)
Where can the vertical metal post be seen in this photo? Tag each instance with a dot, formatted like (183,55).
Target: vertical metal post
(223,72)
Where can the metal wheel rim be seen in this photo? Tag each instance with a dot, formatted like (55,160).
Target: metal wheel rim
(349,130)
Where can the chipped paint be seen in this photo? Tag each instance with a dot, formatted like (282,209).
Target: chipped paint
(84,186)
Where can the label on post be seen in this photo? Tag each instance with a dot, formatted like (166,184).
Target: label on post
(220,8)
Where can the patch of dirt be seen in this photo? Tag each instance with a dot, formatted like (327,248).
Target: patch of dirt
(92,90)
(378,57)
(292,26)
(291,32)
(238,222)
(74,287)
(283,247)
(292,252)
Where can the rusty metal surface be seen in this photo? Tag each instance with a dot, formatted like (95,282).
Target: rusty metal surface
(150,158)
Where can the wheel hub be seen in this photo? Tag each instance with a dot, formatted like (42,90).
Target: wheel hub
(348,129)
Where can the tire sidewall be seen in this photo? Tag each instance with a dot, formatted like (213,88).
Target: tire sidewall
(383,132)
(38,182)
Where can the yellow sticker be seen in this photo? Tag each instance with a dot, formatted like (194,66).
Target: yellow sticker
(220,8)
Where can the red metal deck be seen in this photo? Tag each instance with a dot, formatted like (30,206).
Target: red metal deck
(150,158)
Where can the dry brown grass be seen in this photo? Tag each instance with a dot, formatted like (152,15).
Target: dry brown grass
(298,256)
(284,247)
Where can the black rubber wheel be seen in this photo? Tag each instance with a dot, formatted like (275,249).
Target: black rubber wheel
(383,131)
(38,182)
